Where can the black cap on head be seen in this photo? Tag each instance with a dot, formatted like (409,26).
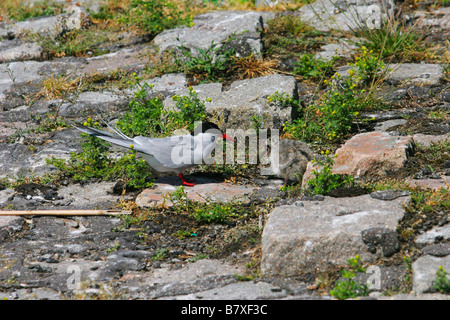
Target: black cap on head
(205,126)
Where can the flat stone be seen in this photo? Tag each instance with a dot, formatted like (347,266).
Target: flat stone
(373,154)
(324,234)
(18,159)
(388,124)
(428,183)
(437,250)
(31,71)
(198,276)
(124,59)
(89,194)
(13,50)
(91,102)
(437,233)
(167,84)
(424,272)
(325,15)
(407,73)
(203,189)
(366,151)
(427,139)
(415,73)
(434,18)
(245,99)
(5,195)
(75,18)
(238,291)
(342,50)
(41,25)
(388,195)
(218,27)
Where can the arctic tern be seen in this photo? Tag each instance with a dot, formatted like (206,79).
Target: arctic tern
(170,154)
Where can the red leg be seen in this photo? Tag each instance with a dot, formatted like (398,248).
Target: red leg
(184,181)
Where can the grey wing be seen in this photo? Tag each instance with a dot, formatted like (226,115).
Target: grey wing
(172,152)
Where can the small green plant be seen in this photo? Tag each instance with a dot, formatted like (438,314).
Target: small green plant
(199,256)
(369,67)
(393,41)
(161,254)
(331,117)
(210,64)
(153,15)
(310,67)
(15,9)
(188,109)
(288,35)
(113,248)
(349,288)
(207,211)
(408,274)
(441,282)
(324,180)
(147,116)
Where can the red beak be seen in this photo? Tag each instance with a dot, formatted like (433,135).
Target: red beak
(227,137)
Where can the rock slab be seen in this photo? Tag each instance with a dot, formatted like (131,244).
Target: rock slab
(424,272)
(368,155)
(240,29)
(236,107)
(203,190)
(318,235)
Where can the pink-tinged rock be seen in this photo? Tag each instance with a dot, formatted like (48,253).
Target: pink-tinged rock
(434,184)
(373,154)
(203,189)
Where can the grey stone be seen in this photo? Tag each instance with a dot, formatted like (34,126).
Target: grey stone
(198,276)
(429,237)
(381,239)
(437,250)
(415,73)
(75,19)
(167,84)
(89,194)
(17,50)
(88,103)
(75,248)
(407,73)
(5,196)
(123,59)
(291,159)
(22,73)
(216,27)
(17,159)
(326,15)
(388,124)
(427,140)
(313,238)
(434,18)
(245,99)
(342,49)
(41,25)
(424,272)
(238,291)
(388,195)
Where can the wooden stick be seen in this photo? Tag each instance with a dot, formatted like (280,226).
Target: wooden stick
(62,212)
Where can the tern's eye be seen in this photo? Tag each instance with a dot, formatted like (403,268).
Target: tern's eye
(213,138)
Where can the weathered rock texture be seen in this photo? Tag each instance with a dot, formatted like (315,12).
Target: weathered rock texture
(314,236)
